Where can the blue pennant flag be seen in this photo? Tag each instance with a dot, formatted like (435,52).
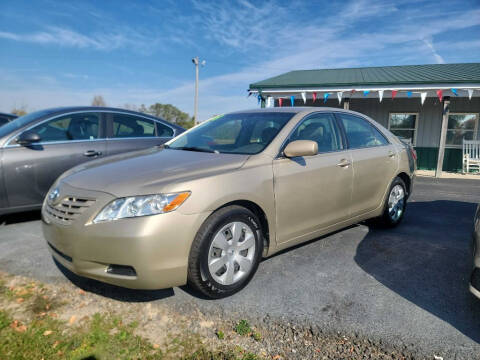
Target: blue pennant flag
(325,97)
(259,98)
(454,91)
(366,92)
(409,93)
(292,100)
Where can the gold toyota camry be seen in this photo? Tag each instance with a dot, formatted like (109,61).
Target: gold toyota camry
(206,207)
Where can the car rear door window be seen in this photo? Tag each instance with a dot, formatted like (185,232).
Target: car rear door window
(360,133)
(130,126)
(79,126)
(164,130)
(320,127)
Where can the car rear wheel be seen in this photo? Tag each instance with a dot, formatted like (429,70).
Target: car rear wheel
(395,204)
(226,252)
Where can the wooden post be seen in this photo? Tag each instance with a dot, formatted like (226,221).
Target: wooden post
(443,136)
(346,103)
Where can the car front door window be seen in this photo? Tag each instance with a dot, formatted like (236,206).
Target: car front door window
(320,128)
(84,126)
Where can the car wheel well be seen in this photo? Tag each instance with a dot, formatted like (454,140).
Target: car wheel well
(406,179)
(258,211)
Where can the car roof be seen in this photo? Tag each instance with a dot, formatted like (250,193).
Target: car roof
(66,109)
(8,114)
(298,110)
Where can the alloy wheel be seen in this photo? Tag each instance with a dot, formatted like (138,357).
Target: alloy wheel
(396,201)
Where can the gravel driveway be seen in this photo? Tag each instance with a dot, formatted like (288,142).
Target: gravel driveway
(405,287)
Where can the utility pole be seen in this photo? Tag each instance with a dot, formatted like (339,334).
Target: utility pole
(197,62)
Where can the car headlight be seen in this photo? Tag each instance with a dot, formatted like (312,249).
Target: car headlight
(134,206)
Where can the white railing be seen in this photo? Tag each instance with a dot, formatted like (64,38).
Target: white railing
(471,155)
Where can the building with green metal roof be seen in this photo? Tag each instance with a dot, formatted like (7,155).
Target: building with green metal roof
(435,107)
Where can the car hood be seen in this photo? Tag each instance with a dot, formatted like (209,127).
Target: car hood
(146,172)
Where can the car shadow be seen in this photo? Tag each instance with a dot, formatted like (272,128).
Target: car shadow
(112,291)
(21,217)
(427,260)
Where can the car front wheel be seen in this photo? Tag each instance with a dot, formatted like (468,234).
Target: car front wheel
(226,252)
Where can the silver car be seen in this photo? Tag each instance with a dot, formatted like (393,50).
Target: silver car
(37,148)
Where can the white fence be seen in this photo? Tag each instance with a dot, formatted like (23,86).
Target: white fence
(471,155)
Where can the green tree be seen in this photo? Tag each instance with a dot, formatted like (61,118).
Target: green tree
(20,111)
(170,113)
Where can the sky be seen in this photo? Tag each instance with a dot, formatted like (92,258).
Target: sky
(59,53)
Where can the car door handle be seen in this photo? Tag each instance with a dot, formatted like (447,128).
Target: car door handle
(91,153)
(391,154)
(344,163)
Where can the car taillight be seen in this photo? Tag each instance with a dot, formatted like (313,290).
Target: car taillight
(414,153)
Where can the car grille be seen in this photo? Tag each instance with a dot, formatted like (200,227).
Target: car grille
(68,209)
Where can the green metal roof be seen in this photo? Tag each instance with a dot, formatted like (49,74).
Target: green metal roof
(382,75)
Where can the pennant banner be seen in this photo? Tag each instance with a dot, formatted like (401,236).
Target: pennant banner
(339,96)
(423,96)
(380,95)
(394,93)
(470,93)
(270,102)
(314,96)
(292,100)
(259,99)
(409,93)
(454,91)
(280,101)
(304,97)
(440,95)
(366,92)
(325,97)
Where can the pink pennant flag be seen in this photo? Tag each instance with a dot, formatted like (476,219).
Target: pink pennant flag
(314,96)
(440,95)
(280,101)
(394,93)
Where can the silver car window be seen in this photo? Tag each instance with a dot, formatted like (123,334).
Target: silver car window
(71,127)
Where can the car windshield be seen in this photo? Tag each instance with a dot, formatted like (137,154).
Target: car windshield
(237,133)
(21,122)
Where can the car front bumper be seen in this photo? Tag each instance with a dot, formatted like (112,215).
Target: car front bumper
(155,247)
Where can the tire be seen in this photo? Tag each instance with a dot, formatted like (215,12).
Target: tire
(225,236)
(394,209)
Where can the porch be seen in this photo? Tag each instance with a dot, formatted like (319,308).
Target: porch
(434,107)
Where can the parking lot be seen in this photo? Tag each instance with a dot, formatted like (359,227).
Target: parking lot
(405,287)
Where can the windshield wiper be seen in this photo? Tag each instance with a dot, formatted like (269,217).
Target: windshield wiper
(193,148)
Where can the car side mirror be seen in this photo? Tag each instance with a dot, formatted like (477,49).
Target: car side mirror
(28,138)
(301,148)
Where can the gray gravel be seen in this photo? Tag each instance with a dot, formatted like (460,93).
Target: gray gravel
(406,287)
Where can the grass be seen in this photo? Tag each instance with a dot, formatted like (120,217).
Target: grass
(242,328)
(44,336)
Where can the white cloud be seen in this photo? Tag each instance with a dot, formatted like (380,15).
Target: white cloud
(61,36)
(435,54)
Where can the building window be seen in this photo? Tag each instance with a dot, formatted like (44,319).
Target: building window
(461,126)
(404,125)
